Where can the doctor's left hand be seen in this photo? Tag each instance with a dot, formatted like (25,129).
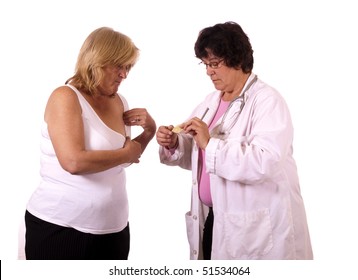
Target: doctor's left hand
(199,130)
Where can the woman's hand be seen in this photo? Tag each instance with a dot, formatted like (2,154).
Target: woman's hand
(166,137)
(140,117)
(134,150)
(199,130)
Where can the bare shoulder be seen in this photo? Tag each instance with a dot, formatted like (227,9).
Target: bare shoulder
(62,100)
(63,95)
(63,92)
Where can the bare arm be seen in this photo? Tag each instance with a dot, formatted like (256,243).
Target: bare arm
(65,126)
(141,117)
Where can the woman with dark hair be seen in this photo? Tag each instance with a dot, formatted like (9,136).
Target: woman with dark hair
(246,201)
(80,208)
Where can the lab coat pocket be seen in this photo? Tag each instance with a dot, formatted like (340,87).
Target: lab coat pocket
(190,225)
(248,235)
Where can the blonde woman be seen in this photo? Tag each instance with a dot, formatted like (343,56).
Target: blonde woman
(80,208)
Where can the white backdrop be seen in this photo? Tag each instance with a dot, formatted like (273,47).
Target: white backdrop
(306,49)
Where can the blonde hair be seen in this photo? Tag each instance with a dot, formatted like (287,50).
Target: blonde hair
(104,46)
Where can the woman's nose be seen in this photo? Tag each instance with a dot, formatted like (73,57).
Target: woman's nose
(123,74)
(209,71)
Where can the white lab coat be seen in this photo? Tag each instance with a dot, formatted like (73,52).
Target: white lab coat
(258,209)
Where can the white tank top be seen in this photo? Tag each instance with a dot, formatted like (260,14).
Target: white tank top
(93,203)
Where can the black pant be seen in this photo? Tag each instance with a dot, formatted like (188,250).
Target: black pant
(208,234)
(47,241)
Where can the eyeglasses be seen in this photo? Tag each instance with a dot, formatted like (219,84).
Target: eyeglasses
(213,64)
(125,68)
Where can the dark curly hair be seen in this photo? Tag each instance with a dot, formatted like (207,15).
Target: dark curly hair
(226,41)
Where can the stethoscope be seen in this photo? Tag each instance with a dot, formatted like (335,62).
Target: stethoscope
(219,130)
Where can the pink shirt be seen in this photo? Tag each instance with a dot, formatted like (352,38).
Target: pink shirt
(204,183)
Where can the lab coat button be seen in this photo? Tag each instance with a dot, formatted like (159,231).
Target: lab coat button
(195,252)
(195,217)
